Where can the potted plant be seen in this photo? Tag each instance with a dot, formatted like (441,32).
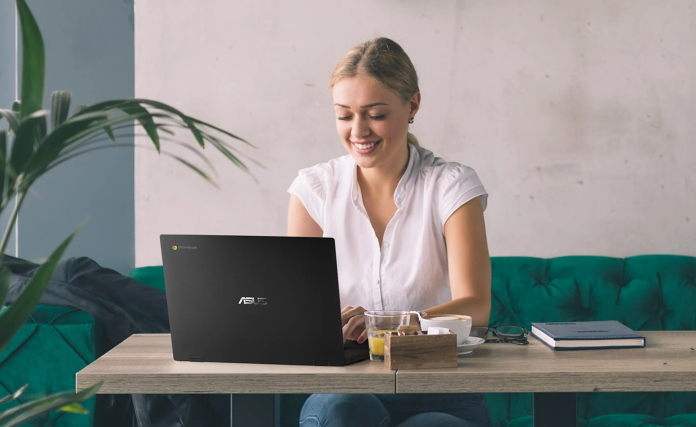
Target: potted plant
(37,140)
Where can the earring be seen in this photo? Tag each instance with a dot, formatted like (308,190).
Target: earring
(410,121)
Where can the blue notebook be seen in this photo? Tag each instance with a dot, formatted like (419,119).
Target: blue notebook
(586,335)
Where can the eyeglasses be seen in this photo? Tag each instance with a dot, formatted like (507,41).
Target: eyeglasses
(507,334)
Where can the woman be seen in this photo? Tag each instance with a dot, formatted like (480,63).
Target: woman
(408,227)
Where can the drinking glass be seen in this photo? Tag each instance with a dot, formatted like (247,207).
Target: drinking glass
(379,322)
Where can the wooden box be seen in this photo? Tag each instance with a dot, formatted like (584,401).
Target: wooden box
(420,351)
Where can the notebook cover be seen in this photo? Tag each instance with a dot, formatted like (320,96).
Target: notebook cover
(586,335)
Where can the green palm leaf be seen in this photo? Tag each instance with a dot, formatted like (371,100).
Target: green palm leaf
(60,107)
(4,285)
(74,408)
(25,140)
(25,412)
(12,118)
(16,314)
(59,139)
(25,137)
(13,396)
(73,135)
(33,61)
(82,128)
(146,121)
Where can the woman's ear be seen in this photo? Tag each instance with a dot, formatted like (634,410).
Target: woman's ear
(414,103)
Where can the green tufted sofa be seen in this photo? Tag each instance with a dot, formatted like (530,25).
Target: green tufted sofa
(46,353)
(648,292)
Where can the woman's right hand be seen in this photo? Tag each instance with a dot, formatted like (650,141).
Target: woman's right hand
(353,320)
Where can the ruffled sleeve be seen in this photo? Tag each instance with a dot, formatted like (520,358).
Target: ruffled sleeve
(458,185)
(309,188)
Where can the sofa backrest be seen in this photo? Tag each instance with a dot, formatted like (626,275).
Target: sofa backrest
(647,292)
(152,276)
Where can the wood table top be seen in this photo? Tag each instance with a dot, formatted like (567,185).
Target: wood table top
(143,363)
(667,363)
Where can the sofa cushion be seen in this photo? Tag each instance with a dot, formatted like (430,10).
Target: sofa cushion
(510,409)
(633,420)
(152,276)
(615,420)
(59,340)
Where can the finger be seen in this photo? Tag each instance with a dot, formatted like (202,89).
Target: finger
(354,334)
(361,339)
(354,327)
(348,313)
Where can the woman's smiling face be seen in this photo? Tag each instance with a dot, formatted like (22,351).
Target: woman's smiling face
(372,121)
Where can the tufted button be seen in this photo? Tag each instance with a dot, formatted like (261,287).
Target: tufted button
(542,281)
(587,313)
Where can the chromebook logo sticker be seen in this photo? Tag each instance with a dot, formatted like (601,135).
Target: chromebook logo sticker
(180,247)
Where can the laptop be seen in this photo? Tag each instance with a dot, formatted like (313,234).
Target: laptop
(255,299)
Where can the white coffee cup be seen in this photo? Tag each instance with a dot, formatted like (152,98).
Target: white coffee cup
(457,323)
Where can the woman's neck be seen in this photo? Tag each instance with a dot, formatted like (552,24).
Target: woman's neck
(382,181)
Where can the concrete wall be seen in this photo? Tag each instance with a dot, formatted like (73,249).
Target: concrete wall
(578,116)
(89,51)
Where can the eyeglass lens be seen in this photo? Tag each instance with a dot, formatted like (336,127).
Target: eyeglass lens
(508,334)
(509,331)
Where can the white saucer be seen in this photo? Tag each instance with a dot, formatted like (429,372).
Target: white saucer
(469,345)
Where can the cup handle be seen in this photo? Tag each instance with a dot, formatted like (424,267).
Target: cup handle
(420,315)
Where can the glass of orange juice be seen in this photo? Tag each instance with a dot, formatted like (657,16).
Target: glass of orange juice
(377,323)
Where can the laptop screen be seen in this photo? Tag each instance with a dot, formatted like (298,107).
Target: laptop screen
(253,299)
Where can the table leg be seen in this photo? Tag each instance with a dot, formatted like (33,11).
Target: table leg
(254,410)
(555,410)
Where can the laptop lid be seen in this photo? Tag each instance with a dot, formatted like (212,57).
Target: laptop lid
(254,299)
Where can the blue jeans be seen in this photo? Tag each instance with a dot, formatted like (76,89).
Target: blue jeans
(402,410)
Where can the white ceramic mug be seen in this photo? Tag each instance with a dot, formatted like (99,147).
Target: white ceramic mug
(457,323)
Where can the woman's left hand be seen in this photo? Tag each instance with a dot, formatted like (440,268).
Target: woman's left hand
(353,320)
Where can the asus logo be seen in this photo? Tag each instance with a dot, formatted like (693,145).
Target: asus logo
(253,300)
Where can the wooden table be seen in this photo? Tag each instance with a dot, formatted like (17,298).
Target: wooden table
(667,363)
(144,364)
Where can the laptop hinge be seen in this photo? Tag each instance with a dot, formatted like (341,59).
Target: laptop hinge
(321,363)
(195,359)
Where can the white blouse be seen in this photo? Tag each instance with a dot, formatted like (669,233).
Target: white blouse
(409,271)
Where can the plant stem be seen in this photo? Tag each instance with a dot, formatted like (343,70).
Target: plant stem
(11,223)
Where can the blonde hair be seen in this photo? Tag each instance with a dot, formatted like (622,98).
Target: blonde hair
(385,61)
